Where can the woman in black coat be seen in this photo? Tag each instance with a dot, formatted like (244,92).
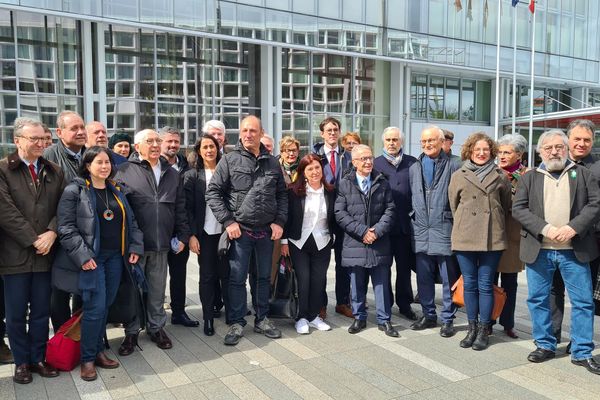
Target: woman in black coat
(205,229)
(98,236)
(307,239)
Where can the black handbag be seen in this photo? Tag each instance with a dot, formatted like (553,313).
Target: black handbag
(284,292)
(224,244)
(129,301)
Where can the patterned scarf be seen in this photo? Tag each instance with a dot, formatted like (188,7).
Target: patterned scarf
(291,170)
(480,170)
(394,160)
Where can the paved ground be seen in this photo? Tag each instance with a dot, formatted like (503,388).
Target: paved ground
(322,365)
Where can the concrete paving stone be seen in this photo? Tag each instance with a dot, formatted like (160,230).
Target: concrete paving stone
(270,386)
(324,383)
(158,395)
(461,390)
(576,381)
(32,391)
(141,373)
(243,388)
(516,377)
(165,368)
(62,386)
(296,383)
(187,392)
(216,390)
(496,387)
(285,349)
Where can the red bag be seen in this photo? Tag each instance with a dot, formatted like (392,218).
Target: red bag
(62,350)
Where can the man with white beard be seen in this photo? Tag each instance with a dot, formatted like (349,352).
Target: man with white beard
(558,204)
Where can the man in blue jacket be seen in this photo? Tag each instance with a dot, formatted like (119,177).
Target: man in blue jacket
(394,164)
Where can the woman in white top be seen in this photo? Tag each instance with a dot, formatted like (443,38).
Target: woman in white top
(205,228)
(307,239)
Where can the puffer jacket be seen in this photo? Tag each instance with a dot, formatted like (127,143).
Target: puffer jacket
(431,216)
(159,209)
(248,190)
(356,212)
(79,232)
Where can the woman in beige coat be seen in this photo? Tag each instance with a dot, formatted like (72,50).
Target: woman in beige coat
(510,152)
(480,199)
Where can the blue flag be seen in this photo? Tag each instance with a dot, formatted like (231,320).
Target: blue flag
(515,2)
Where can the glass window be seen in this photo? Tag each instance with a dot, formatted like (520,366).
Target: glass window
(467,100)
(120,9)
(483,93)
(436,97)
(418,96)
(451,109)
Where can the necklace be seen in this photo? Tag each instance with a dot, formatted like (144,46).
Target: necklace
(108,214)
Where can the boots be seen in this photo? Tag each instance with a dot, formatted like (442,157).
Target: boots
(482,340)
(471,334)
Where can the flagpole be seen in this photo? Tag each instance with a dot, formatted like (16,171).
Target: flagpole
(514,91)
(530,157)
(497,112)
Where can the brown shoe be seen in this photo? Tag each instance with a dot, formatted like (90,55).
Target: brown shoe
(103,361)
(6,356)
(323,313)
(22,374)
(88,371)
(161,339)
(128,345)
(44,370)
(345,310)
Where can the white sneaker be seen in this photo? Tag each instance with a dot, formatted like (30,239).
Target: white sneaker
(319,324)
(302,326)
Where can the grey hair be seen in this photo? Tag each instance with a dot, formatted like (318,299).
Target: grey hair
(393,128)
(581,123)
(60,121)
(213,123)
(435,127)
(359,148)
(142,135)
(166,130)
(268,137)
(550,134)
(518,142)
(22,122)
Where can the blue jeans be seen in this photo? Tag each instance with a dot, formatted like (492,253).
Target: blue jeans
(239,260)
(479,269)
(109,265)
(426,271)
(578,283)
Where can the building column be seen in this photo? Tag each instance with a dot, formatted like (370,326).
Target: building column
(397,71)
(266,89)
(87,70)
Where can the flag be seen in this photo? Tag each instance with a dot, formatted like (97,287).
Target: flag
(470,10)
(515,2)
(458,5)
(486,11)
(532,6)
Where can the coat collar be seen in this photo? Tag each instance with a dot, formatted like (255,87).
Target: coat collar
(487,181)
(14,161)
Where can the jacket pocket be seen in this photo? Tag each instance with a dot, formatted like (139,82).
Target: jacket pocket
(241,179)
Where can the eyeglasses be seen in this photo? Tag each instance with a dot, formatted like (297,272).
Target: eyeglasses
(485,150)
(34,139)
(150,142)
(557,147)
(365,159)
(290,151)
(331,132)
(430,141)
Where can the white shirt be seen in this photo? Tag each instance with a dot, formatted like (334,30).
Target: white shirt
(328,153)
(360,179)
(315,219)
(156,170)
(211,225)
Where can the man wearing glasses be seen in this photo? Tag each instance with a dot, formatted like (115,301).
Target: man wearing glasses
(155,192)
(432,225)
(558,204)
(335,164)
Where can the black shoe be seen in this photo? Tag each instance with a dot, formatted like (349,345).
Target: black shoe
(482,340)
(471,335)
(590,364)
(540,355)
(209,327)
(128,345)
(216,312)
(409,314)
(388,328)
(423,323)
(184,319)
(161,339)
(447,330)
(568,351)
(357,326)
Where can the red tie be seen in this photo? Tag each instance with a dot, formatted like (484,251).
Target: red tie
(332,163)
(33,174)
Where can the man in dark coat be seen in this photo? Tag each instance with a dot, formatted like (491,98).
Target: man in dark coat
(335,162)
(96,136)
(155,193)
(394,164)
(171,144)
(558,205)
(67,153)
(30,188)
(247,195)
(364,209)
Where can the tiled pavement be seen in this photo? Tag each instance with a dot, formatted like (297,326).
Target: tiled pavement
(323,365)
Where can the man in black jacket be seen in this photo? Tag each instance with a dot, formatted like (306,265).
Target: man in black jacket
(171,144)
(247,195)
(155,193)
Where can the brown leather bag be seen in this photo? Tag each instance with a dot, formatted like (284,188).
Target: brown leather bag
(458,297)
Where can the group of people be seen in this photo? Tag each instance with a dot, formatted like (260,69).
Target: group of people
(78,213)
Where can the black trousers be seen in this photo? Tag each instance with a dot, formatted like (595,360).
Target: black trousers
(177,275)
(342,275)
(2,311)
(60,307)
(310,265)
(214,272)
(405,262)
(509,283)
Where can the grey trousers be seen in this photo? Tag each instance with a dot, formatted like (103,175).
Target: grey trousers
(154,265)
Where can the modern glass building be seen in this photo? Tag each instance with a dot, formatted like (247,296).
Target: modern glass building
(136,64)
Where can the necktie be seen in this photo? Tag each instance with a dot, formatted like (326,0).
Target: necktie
(33,173)
(365,186)
(332,162)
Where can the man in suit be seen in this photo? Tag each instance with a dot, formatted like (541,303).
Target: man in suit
(335,164)
(394,165)
(558,204)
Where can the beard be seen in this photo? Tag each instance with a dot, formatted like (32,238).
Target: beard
(555,164)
